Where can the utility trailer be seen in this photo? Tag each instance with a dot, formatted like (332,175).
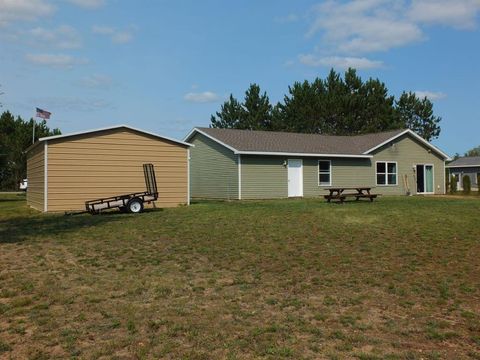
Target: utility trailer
(133,202)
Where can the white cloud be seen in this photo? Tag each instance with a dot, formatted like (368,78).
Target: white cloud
(122,37)
(201,97)
(339,62)
(290,18)
(431,95)
(103,30)
(55,60)
(88,4)
(97,81)
(63,37)
(12,10)
(363,26)
(117,36)
(458,13)
(350,29)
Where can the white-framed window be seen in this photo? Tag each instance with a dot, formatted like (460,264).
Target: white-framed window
(324,173)
(386,173)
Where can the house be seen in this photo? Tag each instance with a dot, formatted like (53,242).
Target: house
(65,171)
(244,164)
(469,166)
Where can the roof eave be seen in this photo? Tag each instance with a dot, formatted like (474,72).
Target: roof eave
(112,128)
(34,145)
(273,153)
(197,130)
(461,166)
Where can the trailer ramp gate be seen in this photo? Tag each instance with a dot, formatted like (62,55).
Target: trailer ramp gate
(126,201)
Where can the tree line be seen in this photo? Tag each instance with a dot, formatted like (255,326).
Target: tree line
(15,138)
(469,153)
(335,105)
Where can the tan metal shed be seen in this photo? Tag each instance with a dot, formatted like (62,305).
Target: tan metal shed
(64,171)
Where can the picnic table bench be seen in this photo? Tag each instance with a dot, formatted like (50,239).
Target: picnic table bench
(339,194)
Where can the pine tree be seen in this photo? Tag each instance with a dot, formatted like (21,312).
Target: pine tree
(302,109)
(255,113)
(15,138)
(417,114)
(335,105)
(258,110)
(230,116)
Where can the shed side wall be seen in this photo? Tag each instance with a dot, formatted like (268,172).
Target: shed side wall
(110,163)
(213,170)
(36,177)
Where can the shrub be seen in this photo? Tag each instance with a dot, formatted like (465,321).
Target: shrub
(467,186)
(478,182)
(453,184)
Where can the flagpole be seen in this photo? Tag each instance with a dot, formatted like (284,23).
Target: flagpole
(33,132)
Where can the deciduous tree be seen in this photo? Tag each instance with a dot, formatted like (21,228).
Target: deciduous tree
(473,152)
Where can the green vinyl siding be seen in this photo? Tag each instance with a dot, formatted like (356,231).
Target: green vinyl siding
(345,172)
(408,152)
(264,177)
(213,170)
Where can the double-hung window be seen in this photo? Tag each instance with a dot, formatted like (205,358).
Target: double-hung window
(386,173)
(324,172)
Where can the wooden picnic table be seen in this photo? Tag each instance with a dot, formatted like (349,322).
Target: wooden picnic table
(361,192)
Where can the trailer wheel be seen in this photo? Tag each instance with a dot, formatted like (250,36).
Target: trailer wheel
(135,206)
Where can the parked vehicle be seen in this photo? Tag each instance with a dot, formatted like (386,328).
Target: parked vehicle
(23,185)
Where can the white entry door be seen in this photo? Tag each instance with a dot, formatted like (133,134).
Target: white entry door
(295,177)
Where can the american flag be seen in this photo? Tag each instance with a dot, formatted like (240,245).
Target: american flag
(43,114)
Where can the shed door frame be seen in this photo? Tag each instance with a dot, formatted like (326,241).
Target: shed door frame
(295,177)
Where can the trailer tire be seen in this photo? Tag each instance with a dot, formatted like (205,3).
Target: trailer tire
(123,209)
(135,206)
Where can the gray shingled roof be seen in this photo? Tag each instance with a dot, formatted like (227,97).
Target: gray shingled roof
(466,161)
(285,142)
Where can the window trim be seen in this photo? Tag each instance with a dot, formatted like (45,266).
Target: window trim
(386,162)
(329,172)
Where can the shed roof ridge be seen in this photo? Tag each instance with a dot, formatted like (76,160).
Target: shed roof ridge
(78,133)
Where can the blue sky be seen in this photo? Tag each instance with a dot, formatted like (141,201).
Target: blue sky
(166,66)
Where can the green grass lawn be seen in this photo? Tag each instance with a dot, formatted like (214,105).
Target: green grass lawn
(395,279)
